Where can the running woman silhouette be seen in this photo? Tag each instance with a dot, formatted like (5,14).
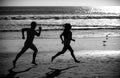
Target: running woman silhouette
(29,42)
(66,38)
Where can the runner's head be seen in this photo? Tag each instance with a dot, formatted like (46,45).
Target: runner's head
(33,25)
(67,26)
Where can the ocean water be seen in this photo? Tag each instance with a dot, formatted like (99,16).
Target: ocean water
(91,24)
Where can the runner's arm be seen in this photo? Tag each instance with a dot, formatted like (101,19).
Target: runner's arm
(38,33)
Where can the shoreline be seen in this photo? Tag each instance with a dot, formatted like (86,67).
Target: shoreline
(74,29)
(81,44)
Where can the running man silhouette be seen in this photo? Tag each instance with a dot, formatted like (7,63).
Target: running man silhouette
(66,38)
(29,42)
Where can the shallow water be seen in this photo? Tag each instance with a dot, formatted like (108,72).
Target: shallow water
(54,34)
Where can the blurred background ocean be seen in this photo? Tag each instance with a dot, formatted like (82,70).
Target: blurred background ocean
(90,22)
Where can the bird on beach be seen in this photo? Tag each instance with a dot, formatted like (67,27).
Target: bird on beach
(104,43)
(107,36)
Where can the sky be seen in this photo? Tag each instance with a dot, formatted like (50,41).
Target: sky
(59,2)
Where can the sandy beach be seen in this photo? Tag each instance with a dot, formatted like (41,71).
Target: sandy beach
(97,61)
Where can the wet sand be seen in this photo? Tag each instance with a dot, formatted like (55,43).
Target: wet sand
(97,61)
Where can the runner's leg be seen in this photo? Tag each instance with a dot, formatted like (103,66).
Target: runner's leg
(33,47)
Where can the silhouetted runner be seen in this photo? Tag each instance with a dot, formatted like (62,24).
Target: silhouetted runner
(66,38)
(29,42)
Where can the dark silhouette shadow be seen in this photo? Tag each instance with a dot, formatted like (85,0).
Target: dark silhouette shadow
(66,38)
(31,33)
(56,72)
(12,73)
